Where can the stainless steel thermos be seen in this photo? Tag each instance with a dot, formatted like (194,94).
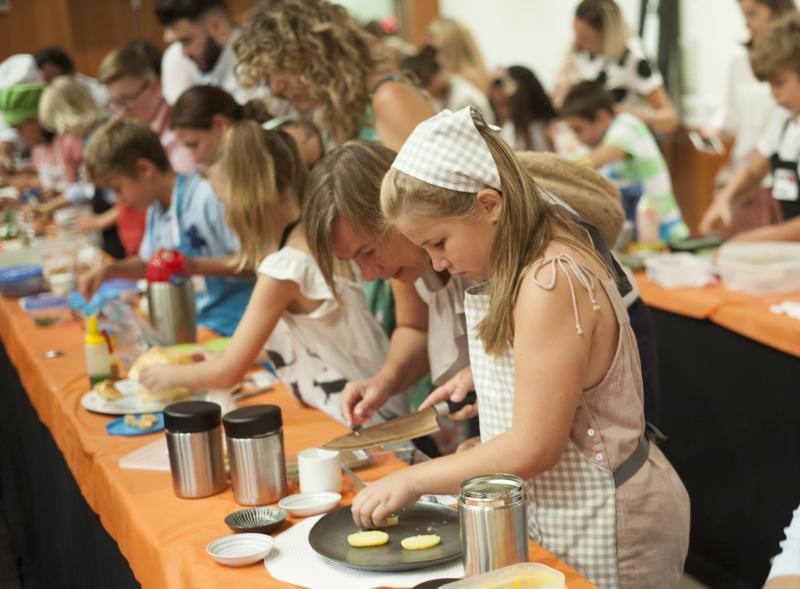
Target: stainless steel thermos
(172,309)
(494,530)
(254,436)
(194,443)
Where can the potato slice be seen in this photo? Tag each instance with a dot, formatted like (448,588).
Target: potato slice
(391,521)
(366,539)
(420,542)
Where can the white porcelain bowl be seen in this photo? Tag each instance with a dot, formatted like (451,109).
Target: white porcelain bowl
(307,504)
(238,550)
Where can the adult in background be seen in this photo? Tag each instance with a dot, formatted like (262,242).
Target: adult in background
(606,52)
(54,61)
(458,51)
(744,116)
(207,34)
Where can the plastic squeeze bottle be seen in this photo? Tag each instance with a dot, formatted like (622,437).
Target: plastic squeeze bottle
(98,358)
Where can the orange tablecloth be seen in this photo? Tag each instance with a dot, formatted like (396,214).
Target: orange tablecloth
(744,314)
(162,537)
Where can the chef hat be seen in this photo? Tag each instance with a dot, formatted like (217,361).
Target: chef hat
(19,69)
(448,151)
(21,102)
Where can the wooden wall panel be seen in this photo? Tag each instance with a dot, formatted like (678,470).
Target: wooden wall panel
(32,24)
(693,174)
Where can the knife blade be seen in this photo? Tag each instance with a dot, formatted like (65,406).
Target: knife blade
(400,429)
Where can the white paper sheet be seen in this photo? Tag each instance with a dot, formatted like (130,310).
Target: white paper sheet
(292,560)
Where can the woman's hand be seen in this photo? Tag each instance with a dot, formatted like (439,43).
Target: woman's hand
(454,390)
(362,398)
(379,500)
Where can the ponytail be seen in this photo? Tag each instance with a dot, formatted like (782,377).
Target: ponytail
(259,170)
(196,108)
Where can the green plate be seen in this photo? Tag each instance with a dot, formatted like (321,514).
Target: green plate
(328,538)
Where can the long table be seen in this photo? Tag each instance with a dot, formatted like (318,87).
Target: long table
(730,404)
(77,518)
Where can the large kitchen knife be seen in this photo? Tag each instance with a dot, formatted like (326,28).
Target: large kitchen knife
(400,429)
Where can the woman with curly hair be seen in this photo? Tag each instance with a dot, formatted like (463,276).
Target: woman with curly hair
(315,54)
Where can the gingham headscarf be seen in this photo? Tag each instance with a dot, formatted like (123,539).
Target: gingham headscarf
(448,151)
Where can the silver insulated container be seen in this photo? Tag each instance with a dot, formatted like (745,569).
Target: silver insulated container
(172,309)
(254,436)
(194,443)
(494,529)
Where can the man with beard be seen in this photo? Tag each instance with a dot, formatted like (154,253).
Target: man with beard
(207,34)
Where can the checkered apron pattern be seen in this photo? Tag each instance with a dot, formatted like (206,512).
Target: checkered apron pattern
(571,507)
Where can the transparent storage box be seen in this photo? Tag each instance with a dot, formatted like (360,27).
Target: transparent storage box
(760,268)
(677,270)
(528,575)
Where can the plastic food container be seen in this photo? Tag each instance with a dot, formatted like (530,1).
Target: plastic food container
(21,281)
(677,270)
(760,268)
(528,575)
(45,309)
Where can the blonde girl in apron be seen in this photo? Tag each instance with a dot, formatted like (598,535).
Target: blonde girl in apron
(553,357)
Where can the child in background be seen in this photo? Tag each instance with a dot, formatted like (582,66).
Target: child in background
(203,113)
(330,341)
(523,109)
(182,213)
(625,151)
(775,58)
(458,51)
(553,358)
(54,159)
(449,90)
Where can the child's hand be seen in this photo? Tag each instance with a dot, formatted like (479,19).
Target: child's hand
(91,281)
(719,213)
(454,390)
(380,499)
(361,398)
(162,378)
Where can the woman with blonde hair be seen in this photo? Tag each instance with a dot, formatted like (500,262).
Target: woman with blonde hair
(605,51)
(328,341)
(316,55)
(457,51)
(553,358)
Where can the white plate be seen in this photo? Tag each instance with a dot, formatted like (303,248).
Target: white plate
(307,504)
(238,550)
(128,403)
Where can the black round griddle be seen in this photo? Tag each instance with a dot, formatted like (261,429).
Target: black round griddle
(329,535)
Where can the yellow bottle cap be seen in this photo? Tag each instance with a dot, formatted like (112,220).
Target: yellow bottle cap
(93,335)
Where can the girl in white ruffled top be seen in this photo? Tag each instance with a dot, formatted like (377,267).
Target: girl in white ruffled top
(317,341)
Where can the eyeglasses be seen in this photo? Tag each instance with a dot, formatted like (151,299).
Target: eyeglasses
(126,101)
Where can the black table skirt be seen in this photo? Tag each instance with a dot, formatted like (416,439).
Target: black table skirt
(58,540)
(731,408)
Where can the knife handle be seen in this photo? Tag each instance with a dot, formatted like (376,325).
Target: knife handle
(452,407)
